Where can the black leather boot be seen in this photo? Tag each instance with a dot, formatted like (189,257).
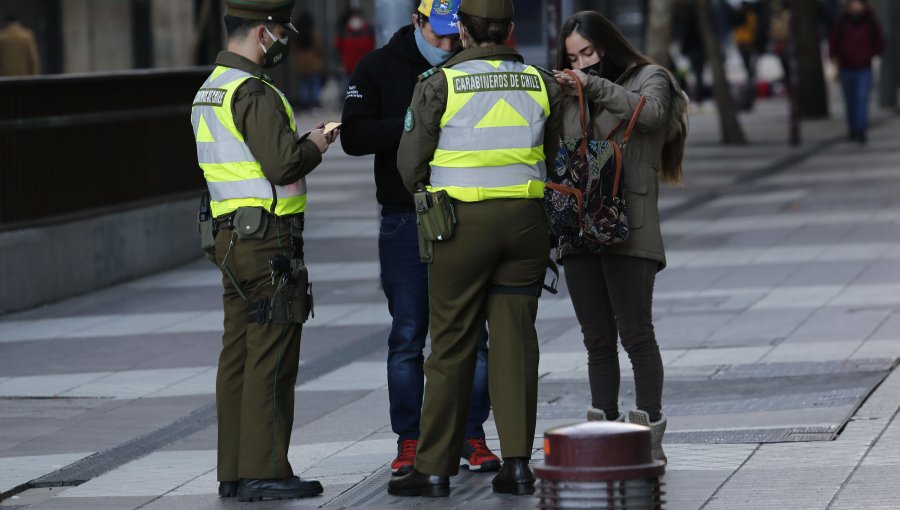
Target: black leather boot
(282,488)
(228,489)
(419,484)
(514,478)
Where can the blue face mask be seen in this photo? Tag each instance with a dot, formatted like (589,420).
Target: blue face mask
(434,56)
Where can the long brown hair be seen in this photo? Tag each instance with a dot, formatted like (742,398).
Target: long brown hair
(618,55)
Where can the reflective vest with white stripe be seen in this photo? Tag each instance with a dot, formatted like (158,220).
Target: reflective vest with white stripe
(491,143)
(234,176)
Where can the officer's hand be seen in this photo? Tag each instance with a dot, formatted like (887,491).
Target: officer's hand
(317,136)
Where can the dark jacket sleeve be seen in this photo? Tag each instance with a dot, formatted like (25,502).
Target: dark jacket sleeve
(417,145)
(834,40)
(621,102)
(365,130)
(261,117)
(554,125)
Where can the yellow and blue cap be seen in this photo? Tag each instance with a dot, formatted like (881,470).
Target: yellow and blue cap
(442,14)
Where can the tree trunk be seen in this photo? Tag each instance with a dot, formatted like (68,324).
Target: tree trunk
(732,132)
(813,101)
(659,31)
(553,11)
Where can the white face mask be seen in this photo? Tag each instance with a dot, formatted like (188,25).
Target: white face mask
(355,23)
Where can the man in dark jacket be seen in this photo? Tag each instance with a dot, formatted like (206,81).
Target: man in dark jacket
(855,40)
(377,98)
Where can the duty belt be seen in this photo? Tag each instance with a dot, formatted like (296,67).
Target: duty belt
(227,222)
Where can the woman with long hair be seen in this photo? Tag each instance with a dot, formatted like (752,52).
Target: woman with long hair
(611,286)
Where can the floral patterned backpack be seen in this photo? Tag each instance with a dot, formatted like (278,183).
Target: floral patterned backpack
(585,193)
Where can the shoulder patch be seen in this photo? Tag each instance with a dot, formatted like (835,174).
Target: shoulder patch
(409,122)
(429,73)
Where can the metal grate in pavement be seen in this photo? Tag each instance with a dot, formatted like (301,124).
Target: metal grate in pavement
(771,435)
(798,369)
(467,490)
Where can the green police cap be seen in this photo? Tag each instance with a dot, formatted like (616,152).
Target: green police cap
(278,11)
(494,9)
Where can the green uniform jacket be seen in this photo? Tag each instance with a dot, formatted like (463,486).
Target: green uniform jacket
(260,116)
(429,101)
(643,155)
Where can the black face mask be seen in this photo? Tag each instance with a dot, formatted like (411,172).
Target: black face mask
(595,69)
(276,53)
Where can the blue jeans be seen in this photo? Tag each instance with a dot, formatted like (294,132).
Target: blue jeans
(405,282)
(857,84)
(309,89)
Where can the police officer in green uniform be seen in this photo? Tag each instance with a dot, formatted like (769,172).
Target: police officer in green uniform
(482,129)
(254,163)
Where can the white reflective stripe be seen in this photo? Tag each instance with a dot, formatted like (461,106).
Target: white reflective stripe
(253,188)
(298,189)
(456,138)
(481,102)
(487,177)
(227,77)
(195,120)
(250,188)
(218,153)
(216,128)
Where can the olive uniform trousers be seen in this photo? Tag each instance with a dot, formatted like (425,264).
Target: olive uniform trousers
(497,243)
(257,366)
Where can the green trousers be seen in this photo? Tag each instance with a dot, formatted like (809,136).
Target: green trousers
(497,243)
(257,366)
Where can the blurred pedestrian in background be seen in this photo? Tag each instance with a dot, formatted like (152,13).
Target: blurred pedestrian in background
(378,95)
(355,37)
(692,47)
(745,21)
(855,40)
(479,133)
(611,286)
(308,66)
(780,38)
(18,50)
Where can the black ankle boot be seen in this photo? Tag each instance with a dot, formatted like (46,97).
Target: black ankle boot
(419,484)
(515,477)
(279,488)
(228,489)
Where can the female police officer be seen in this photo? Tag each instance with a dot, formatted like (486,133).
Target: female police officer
(482,130)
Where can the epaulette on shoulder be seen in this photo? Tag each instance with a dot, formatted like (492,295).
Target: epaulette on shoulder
(429,73)
(543,70)
(253,86)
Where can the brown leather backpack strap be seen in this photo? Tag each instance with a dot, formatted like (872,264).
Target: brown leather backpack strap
(615,130)
(634,118)
(582,112)
(579,199)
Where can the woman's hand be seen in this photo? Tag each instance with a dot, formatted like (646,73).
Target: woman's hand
(567,82)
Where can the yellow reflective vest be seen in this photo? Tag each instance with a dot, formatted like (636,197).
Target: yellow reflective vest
(234,176)
(491,143)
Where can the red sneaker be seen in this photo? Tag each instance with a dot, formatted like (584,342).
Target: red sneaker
(476,456)
(406,457)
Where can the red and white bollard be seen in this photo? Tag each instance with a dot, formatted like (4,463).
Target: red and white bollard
(599,465)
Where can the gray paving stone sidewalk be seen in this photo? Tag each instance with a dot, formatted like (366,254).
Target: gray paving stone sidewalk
(778,319)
